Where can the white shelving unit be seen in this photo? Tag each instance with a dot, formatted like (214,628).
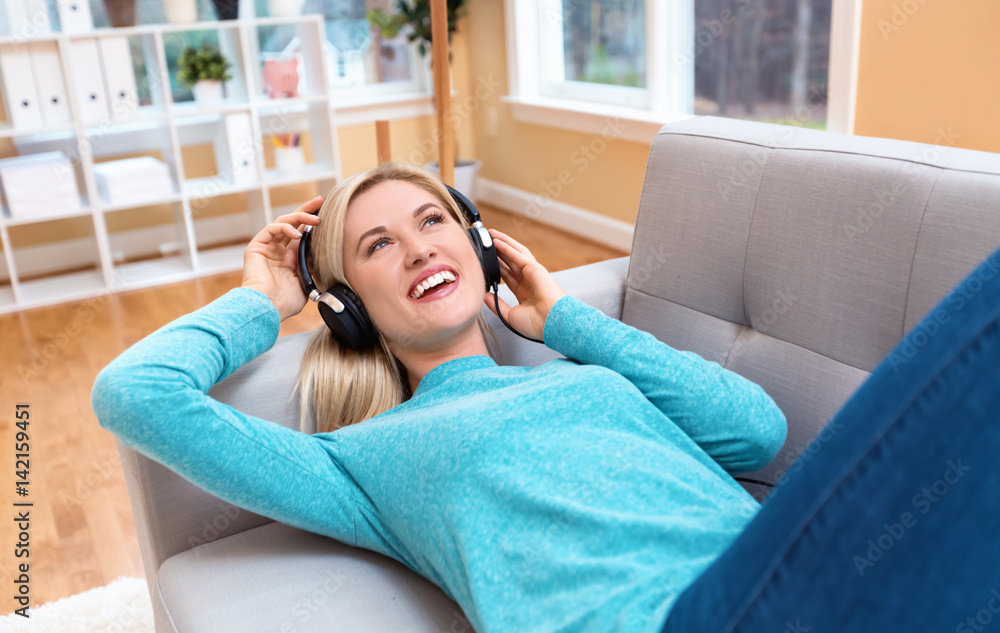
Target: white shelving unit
(135,259)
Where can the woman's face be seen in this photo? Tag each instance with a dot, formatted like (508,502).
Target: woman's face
(398,236)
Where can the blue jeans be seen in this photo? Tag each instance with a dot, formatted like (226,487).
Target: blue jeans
(893,524)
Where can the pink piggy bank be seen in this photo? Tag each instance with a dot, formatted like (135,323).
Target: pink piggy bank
(281,78)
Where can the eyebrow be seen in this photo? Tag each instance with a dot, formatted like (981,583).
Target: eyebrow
(382,229)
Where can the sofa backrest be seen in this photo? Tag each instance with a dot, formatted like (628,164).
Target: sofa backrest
(799,258)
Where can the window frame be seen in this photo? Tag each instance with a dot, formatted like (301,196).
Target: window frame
(670,42)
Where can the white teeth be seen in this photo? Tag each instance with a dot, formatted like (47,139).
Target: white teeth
(432,281)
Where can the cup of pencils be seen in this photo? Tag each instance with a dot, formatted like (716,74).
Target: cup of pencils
(288,154)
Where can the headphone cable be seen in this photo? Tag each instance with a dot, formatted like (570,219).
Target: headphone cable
(496,300)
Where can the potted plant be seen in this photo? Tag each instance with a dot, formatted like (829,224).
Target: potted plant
(205,70)
(416,16)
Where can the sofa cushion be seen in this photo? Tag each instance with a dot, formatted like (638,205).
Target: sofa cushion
(278,579)
(799,258)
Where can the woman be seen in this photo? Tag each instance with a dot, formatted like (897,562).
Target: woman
(458,467)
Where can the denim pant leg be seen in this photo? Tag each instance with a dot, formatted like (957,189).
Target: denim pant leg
(893,524)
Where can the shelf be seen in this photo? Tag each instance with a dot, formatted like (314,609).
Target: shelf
(220,260)
(62,131)
(136,204)
(59,288)
(11,221)
(144,115)
(290,104)
(20,39)
(153,272)
(209,187)
(153,241)
(310,172)
(193,113)
(6,298)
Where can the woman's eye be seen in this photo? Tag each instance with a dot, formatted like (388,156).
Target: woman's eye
(377,244)
(436,218)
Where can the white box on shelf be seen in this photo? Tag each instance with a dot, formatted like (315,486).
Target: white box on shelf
(235,150)
(134,180)
(19,86)
(75,16)
(51,87)
(119,77)
(39,185)
(88,80)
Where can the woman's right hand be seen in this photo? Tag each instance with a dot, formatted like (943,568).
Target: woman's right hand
(270,261)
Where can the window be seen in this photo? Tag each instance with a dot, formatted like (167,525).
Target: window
(629,56)
(765,60)
(653,61)
(361,62)
(588,47)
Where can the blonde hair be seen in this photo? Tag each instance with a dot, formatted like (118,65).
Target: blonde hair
(345,386)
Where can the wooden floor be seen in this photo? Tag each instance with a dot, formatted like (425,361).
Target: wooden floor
(81,529)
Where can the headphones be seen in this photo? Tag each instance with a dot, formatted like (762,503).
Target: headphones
(341,308)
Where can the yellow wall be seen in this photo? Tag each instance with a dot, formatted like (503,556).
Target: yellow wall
(930,66)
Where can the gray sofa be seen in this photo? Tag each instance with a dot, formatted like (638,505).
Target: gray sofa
(794,257)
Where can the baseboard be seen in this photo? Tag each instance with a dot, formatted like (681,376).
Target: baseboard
(541,208)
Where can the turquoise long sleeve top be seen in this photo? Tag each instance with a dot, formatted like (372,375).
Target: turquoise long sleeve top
(582,495)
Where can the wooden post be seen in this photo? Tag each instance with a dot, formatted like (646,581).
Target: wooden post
(382,141)
(442,89)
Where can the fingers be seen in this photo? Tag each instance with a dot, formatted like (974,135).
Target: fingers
(490,302)
(512,252)
(312,206)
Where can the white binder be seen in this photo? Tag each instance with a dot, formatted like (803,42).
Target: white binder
(235,150)
(51,87)
(88,80)
(27,18)
(19,86)
(75,16)
(119,77)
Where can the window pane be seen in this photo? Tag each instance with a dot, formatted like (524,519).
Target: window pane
(764,60)
(358,53)
(604,41)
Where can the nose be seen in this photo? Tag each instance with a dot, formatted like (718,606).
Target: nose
(419,251)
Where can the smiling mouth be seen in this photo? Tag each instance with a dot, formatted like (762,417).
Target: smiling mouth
(434,285)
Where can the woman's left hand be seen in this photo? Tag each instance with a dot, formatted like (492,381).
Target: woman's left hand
(535,288)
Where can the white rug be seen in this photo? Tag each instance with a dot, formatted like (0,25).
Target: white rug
(120,607)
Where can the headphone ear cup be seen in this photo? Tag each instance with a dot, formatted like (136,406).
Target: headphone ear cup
(352,327)
(487,255)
